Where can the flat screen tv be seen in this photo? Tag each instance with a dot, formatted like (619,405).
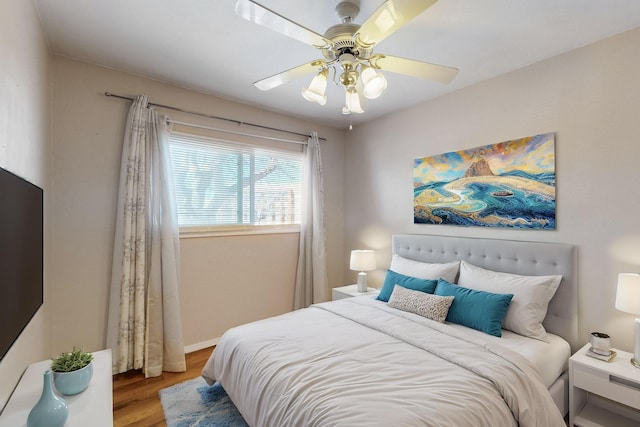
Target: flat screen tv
(21,256)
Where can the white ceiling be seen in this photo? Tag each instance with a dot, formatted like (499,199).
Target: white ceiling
(203,45)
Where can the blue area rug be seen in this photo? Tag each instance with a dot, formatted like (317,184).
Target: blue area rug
(194,403)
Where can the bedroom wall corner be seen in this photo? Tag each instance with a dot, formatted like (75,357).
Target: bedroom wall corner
(590,97)
(24,150)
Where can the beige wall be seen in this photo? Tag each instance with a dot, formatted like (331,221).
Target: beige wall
(590,97)
(226,281)
(219,294)
(24,100)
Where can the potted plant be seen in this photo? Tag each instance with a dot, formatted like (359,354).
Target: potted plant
(72,371)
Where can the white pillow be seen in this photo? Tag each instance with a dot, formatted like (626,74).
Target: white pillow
(434,307)
(424,270)
(531,296)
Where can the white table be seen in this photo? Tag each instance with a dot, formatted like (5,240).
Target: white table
(351,291)
(92,407)
(603,393)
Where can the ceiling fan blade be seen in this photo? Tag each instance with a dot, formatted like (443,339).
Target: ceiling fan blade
(286,76)
(410,67)
(390,16)
(256,13)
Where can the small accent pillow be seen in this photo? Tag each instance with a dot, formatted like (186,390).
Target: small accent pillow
(531,296)
(392,279)
(479,310)
(424,270)
(426,305)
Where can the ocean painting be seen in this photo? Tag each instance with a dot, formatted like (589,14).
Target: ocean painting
(509,184)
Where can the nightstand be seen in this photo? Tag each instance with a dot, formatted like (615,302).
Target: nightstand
(351,291)
(92,407)
(603,393)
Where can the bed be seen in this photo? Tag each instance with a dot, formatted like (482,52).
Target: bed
(364,362)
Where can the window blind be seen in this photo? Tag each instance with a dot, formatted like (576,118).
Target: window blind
(221,183)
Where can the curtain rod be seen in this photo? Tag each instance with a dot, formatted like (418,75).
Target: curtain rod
(193,125)
(238,122)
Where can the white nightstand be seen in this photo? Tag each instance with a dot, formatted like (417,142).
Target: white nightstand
(603,393)
(351,291)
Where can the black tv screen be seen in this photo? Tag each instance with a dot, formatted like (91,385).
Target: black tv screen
(21,256)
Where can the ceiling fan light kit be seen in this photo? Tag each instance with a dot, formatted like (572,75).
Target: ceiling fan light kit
(347,49)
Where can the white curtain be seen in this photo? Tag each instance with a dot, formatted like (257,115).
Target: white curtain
(311,277)
(144,329)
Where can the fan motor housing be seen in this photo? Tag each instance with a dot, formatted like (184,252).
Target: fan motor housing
(341,36)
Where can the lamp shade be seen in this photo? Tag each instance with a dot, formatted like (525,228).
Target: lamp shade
(352,101)
(628,293)
(374,83)
(315,91)
(363,260)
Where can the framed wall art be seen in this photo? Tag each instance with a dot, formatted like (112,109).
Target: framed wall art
(509,184)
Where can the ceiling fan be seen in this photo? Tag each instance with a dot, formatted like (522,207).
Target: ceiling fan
(349,46)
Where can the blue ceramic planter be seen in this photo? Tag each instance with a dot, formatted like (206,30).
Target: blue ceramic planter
(70,383)
(51,410)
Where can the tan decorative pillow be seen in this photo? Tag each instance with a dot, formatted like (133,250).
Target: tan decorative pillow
(432,307)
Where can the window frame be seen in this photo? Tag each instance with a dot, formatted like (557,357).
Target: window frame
(200,231)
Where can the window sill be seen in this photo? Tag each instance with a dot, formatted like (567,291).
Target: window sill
(234,230)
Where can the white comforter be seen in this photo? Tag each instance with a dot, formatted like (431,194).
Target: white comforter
(358,362)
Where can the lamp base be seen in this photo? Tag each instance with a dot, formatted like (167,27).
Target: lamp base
(635,360)
(362,282)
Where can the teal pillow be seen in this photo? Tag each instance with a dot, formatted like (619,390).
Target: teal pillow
(392,279)
(479,310)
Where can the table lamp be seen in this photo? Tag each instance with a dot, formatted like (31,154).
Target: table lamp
(628,300)
(362,260)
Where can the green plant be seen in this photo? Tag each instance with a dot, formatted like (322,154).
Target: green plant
(68,362)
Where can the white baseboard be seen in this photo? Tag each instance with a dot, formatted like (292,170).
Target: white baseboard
(200,345)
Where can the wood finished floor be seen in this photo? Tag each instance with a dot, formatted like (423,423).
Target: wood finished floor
(135,399)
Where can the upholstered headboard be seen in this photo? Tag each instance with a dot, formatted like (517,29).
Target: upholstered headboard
(509,256)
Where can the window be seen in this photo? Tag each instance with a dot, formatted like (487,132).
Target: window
(221,185)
